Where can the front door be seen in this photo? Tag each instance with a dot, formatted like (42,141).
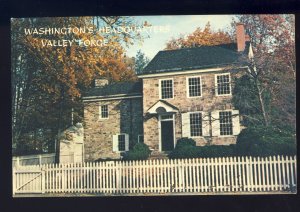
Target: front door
(167,135)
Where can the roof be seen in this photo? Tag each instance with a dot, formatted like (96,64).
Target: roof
(195,58)
(118,88)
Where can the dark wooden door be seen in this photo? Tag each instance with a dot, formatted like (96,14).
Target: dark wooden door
(167,136)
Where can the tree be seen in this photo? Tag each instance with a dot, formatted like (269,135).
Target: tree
(272,67)
(200,37)
(47,81)
(140,62)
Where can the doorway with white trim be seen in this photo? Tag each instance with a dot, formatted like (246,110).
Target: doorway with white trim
(167,131)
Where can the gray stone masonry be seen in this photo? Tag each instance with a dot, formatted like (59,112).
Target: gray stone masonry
(207,102)
(125,116)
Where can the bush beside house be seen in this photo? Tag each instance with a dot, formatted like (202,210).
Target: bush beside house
(185,148)
(140,151)
(253,141)
(265,141)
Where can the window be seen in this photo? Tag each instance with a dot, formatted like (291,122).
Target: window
(166,89)
(225,123)
(140,139)
(194,88)
(121,142)
(104,111)
(195,124)
(166,117)
(223,84)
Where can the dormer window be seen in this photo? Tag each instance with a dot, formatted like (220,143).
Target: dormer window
(166,89)
(222,82)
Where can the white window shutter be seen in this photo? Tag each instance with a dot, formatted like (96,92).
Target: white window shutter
(205,124)
(126,142)
(99,112)
(115,143)
(185,125)
(235,122)
(215,123)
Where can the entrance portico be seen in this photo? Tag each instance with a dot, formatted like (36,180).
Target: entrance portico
(165,113)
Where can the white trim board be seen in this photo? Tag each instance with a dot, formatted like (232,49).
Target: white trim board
(95,99)
(174,73)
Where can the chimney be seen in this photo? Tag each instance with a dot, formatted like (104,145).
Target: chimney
(100,82)
(240,37)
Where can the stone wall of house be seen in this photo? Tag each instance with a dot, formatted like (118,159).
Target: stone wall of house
(207,102)
(125,116)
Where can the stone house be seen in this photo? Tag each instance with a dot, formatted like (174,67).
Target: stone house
(180,93)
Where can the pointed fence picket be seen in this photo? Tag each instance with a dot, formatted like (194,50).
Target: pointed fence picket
(200,175)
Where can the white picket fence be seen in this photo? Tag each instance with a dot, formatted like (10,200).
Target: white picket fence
(216,175)
(40,159)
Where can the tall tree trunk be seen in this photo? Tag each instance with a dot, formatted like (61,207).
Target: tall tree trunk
(57,146)
(262,104)
(60,125)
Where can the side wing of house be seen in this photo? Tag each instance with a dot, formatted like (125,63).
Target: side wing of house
(113,121)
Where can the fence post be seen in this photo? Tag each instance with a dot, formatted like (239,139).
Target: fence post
(18,162)
(43,180)
(118,178)
(14,181)
(40,160)
(181,175)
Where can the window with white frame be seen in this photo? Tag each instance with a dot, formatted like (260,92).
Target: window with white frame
(166,87)
(223,84)
(120,142)
(194,86)
(225,119)
(104,111)
(195,124)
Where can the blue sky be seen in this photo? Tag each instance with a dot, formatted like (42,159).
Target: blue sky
(184,24)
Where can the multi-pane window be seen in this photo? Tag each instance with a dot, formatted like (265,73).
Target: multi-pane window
(104,111)
(196,124)
(223,84)
(166,117)
(225,123)
(121,142)
(194,86)
(166,89)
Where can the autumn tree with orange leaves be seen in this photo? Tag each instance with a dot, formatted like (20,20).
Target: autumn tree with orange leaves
(48,81)
(200,37)
(273,67)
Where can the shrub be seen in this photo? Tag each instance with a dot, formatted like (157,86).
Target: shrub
(216,151)
(184,152)
(106,159)
(140,151)
(265,141)
(185,148)
(253,141)
(185,142)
